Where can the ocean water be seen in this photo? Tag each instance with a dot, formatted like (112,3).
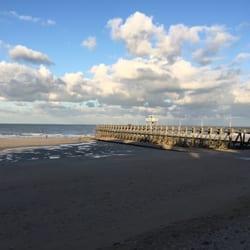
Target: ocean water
(7,130)
(84,150)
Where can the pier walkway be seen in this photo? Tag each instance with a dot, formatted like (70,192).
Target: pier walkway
(171,136)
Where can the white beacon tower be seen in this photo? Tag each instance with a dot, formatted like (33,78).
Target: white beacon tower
(151,121)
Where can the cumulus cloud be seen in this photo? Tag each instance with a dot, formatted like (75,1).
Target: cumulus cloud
(22,53)
(154,83)
(242,93)
(89,42)
(128,82)
(28,18)
(241,57)
(217,38)
(136,32)
(143,37)
(156,79)
(130,88)
(22,83)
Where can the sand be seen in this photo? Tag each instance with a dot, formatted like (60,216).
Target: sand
(16,142)
(151,199)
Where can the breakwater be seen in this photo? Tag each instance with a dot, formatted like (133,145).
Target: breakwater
(171,136)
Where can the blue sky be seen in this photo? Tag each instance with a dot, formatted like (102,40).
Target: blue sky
(58,28)
(76,20)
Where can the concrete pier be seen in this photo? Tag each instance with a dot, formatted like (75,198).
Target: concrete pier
(171,136)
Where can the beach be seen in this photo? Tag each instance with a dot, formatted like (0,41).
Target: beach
(110,196)
(36,141)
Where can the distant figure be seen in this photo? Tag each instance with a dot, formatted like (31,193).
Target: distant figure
(46,136)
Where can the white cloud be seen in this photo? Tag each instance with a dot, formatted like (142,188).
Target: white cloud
(217,38)
(128,82)
(28,18)
(241,57)
(49,22)
(89,43)
(22,83)
(24,17)
(144,38)
(136,32)
(127,98)
(155,79)
(22,53)
(242,93)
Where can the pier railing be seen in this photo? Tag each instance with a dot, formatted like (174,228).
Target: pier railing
(210,137)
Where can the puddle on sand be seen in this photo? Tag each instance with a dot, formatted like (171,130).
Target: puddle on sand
(53,157)
(244,158)
(91,150)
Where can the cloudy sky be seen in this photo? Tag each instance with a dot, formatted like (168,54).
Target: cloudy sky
(118,61)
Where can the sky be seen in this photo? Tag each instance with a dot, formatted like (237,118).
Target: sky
(88,62)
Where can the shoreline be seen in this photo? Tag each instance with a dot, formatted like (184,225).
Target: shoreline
(22,142)
(37,141)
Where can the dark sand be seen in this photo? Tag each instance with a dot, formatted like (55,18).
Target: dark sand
(152,199)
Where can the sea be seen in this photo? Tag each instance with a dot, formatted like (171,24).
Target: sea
(84,151)
(9,130)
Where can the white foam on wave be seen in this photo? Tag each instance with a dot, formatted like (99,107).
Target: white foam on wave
(32,134)
(7,136)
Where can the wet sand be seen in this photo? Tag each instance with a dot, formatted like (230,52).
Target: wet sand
(34,141)
(151,199)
